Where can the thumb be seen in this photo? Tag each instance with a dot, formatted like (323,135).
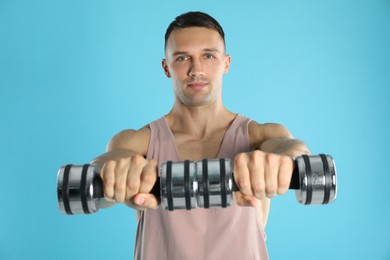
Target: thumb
(244,200)
(145,201)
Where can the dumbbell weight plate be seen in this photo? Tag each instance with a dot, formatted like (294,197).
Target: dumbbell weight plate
(317,179)
(78,189)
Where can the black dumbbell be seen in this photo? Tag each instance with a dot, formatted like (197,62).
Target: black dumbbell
(195,184)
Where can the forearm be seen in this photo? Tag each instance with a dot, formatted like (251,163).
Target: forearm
(111,155)
(285,146)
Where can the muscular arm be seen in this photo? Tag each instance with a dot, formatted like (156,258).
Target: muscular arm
(276,139)
(125,144)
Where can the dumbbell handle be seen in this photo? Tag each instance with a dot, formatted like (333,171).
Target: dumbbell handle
(156,191)
(187,185)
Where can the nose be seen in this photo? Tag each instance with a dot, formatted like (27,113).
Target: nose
(196,69)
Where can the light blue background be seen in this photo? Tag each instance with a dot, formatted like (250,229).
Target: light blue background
(74,73)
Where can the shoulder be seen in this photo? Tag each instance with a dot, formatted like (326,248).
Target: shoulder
(259,133)
(129,139)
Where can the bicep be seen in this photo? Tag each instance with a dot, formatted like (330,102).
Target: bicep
(272,130)
(125,143)
(121,141)
(133,140)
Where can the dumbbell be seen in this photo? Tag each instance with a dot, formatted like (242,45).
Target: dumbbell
(195,184)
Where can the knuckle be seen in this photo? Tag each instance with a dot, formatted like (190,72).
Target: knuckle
(243,183)
(122,161)
(271,158)
(106,168)
(285,159)
(241,164)
(132,187)
(239,159)
(109,163)
(256,158)
(253,156)
(148,179)
(256,154)
(109,180)
(282,191)
(284,184)
(271,189)
(258,188)
(119,188)
(137,159)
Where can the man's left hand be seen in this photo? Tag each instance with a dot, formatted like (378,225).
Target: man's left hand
(261,175)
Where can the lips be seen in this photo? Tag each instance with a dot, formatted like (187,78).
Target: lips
(197,85)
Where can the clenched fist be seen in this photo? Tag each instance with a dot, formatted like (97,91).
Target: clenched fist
(261,175)
(129,180)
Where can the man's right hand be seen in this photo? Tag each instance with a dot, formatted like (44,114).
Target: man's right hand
(129,180)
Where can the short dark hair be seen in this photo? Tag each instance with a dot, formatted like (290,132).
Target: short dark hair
(194,19)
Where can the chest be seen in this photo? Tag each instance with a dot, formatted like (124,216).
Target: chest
(208,147)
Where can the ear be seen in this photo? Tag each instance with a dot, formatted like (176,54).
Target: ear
(227,64)
(165,68)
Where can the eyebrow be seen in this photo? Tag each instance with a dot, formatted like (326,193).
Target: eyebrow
(176,53)
(179,53)
(211,50)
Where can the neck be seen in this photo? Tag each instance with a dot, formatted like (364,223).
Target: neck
(199,121)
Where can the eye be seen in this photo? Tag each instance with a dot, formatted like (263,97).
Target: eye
(209,56)
(181,58)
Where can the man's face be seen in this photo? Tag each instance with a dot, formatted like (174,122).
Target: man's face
(196,62)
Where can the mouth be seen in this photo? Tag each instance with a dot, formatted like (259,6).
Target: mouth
(197,85)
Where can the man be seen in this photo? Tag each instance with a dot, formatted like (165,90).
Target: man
(197,127)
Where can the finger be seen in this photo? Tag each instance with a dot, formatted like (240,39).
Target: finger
(148,177)
(134,176)
(244,200)
(285,172)
(256,171)
(241,174)
(121,170)
(271,167)
(144,201)
(107,174)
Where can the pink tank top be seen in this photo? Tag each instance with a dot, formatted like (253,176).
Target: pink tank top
(216,233)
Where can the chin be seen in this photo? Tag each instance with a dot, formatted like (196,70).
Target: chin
(197,103)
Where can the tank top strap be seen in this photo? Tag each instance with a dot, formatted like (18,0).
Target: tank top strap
(236,139)
(162,145)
